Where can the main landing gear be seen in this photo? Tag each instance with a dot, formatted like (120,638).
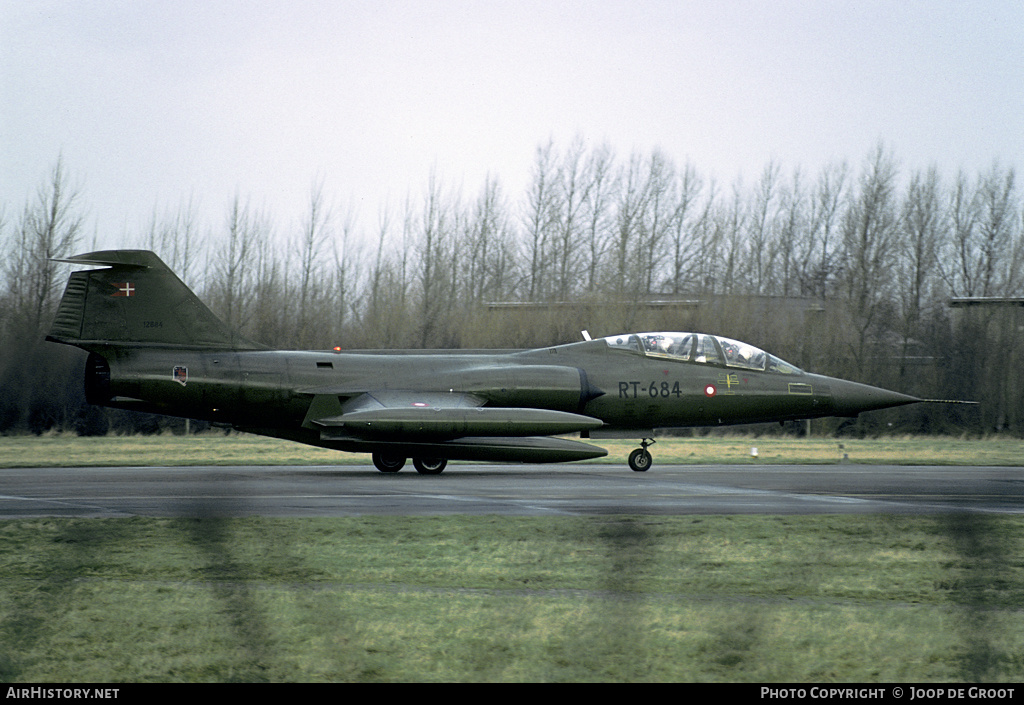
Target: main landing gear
(640,459)
(390,462)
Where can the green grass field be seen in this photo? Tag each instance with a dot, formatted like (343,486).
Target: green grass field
(241,449)
(807,599)
(795,599)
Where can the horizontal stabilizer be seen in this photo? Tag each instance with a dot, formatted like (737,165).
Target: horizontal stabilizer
(112,258)
(456,422)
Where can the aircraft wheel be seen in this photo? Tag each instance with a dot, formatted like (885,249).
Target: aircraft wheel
(388,462)
(429,466)
(640,460)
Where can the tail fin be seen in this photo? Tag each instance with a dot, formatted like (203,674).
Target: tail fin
(137,299)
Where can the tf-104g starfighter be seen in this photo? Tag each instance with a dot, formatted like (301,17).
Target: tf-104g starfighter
(155,347)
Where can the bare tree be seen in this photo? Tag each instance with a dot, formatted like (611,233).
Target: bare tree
(868,243)
(538,221)
(174,236)
(996,224)
(685,221)
(627,279)
(657,219)
(316,231)
(272,318)
(488,255)
(920,231)
(958,268)
(792,227)
(377,273)
(235,264)
(36,379)
(817,250)
(342,296)
(708,233)
(435,262)
(385,309)
(731,247)
(576,180)
(50,229)
(600,167)
(760,238)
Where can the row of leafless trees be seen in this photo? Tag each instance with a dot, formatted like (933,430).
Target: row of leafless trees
(879,249)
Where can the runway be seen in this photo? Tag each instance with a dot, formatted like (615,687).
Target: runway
(508,490)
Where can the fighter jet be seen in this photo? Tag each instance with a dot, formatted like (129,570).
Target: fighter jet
(155,347)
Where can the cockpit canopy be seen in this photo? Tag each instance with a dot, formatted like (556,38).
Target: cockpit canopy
(703,348)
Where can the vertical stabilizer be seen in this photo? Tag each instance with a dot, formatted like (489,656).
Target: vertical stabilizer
(136,299)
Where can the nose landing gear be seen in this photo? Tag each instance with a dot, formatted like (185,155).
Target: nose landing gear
(640,459)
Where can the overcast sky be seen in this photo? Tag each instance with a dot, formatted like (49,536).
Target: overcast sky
(152,103)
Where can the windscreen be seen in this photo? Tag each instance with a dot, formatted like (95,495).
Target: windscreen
(702,348)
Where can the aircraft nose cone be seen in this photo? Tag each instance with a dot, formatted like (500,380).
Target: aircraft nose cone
(852,398)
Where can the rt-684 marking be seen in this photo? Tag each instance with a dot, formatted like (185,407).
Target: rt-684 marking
(633,390)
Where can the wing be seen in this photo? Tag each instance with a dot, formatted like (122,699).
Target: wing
(409,416)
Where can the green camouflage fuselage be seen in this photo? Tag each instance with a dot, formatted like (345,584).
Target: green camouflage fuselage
(155,347)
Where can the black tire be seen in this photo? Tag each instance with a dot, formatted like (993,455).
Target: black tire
(429,466)
(640,460)
(388,462)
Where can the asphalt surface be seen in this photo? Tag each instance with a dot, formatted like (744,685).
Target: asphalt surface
(511,490)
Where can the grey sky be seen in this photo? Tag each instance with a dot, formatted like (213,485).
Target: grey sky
(152,103)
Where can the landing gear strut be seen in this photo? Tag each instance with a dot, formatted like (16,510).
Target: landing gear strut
(640,459)
(390,462)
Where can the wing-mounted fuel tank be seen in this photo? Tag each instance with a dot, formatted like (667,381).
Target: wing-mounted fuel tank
(556,387)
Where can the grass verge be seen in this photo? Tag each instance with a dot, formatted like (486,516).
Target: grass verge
(744,598)
(67,450)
